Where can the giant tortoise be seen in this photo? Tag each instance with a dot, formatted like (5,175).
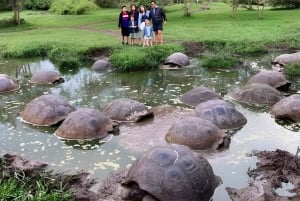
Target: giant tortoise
(7,84)
(176,60)
(271,77)
(284,59)
(46,77)
(257,93)
(171,172)
(198,95)
(196,133)
(125,109)
(221,113)
(287,108)
(85,123)
(101,64)
(46,110)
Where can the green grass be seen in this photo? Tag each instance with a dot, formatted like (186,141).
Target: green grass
(244,34)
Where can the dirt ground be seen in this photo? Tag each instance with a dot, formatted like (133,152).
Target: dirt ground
(273,169)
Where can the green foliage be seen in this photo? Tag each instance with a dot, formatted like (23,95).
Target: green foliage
(292,70)
(5,5)
(37,4)
(221,60)
(16,185)
(137,58)
(72,7)
(246,48)
(107,3)
(65,59)
(285,3)
(145,3)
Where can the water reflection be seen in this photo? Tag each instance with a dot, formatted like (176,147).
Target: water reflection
(159,89)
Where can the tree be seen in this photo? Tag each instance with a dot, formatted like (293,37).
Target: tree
(260,7)
(187,7)
(16,7)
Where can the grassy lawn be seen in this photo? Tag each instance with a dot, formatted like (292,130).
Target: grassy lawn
(44,31)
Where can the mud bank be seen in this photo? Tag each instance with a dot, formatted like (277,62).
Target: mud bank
(274,169)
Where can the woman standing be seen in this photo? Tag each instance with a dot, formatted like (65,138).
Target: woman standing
(143,15)
(124,20)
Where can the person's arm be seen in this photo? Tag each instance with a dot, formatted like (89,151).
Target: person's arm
(163,14)
(120,20)
(150,15)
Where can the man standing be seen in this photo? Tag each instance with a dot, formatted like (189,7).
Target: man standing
(158,17)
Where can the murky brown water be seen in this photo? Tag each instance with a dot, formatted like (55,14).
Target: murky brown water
(159,89)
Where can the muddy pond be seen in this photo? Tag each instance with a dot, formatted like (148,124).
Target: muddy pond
(159,89)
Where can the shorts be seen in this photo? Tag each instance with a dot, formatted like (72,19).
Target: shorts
(147,37)
(157,26)
(133,35)
(140,34)
(125,31)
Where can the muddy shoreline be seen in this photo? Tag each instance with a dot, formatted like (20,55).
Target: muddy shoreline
(272,170)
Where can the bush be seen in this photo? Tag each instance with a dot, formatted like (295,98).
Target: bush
(65,59)
(5,5)
(107,3)
(292,70)
(137,58)
(285,3)
(72,7)
(37,4)
(220,61)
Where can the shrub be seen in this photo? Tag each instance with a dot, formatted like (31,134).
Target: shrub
(37,4)
(107,3)
(65,59)
(137,58)
(220,60)
(72,7)
(285,3)
(292,70)
(5,5)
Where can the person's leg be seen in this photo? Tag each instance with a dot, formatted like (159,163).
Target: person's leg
(155,30)
(156,37)
(160,33)
(160,36)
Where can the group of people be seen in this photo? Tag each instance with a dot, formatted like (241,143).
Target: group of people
(135,24)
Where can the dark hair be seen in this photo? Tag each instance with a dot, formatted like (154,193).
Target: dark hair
(124,7)
(153,2)
(145,9)
(132,6)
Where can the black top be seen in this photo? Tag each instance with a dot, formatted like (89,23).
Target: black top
(157,16)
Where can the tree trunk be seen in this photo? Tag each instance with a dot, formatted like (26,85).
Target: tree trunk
(235,5)
(260,10)
(16,7)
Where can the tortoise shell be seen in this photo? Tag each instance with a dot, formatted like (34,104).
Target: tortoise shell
(196,133)
(85,123)
(46,110)
(46,77)
(198,95)
(221,113)
(257,93)
(270,77)
(177,59)
(287,108)
(101,64)
(173,172)
(125,109)
(7,84)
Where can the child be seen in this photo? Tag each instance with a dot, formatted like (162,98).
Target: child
(124,24)
(147,34)
(133,29)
